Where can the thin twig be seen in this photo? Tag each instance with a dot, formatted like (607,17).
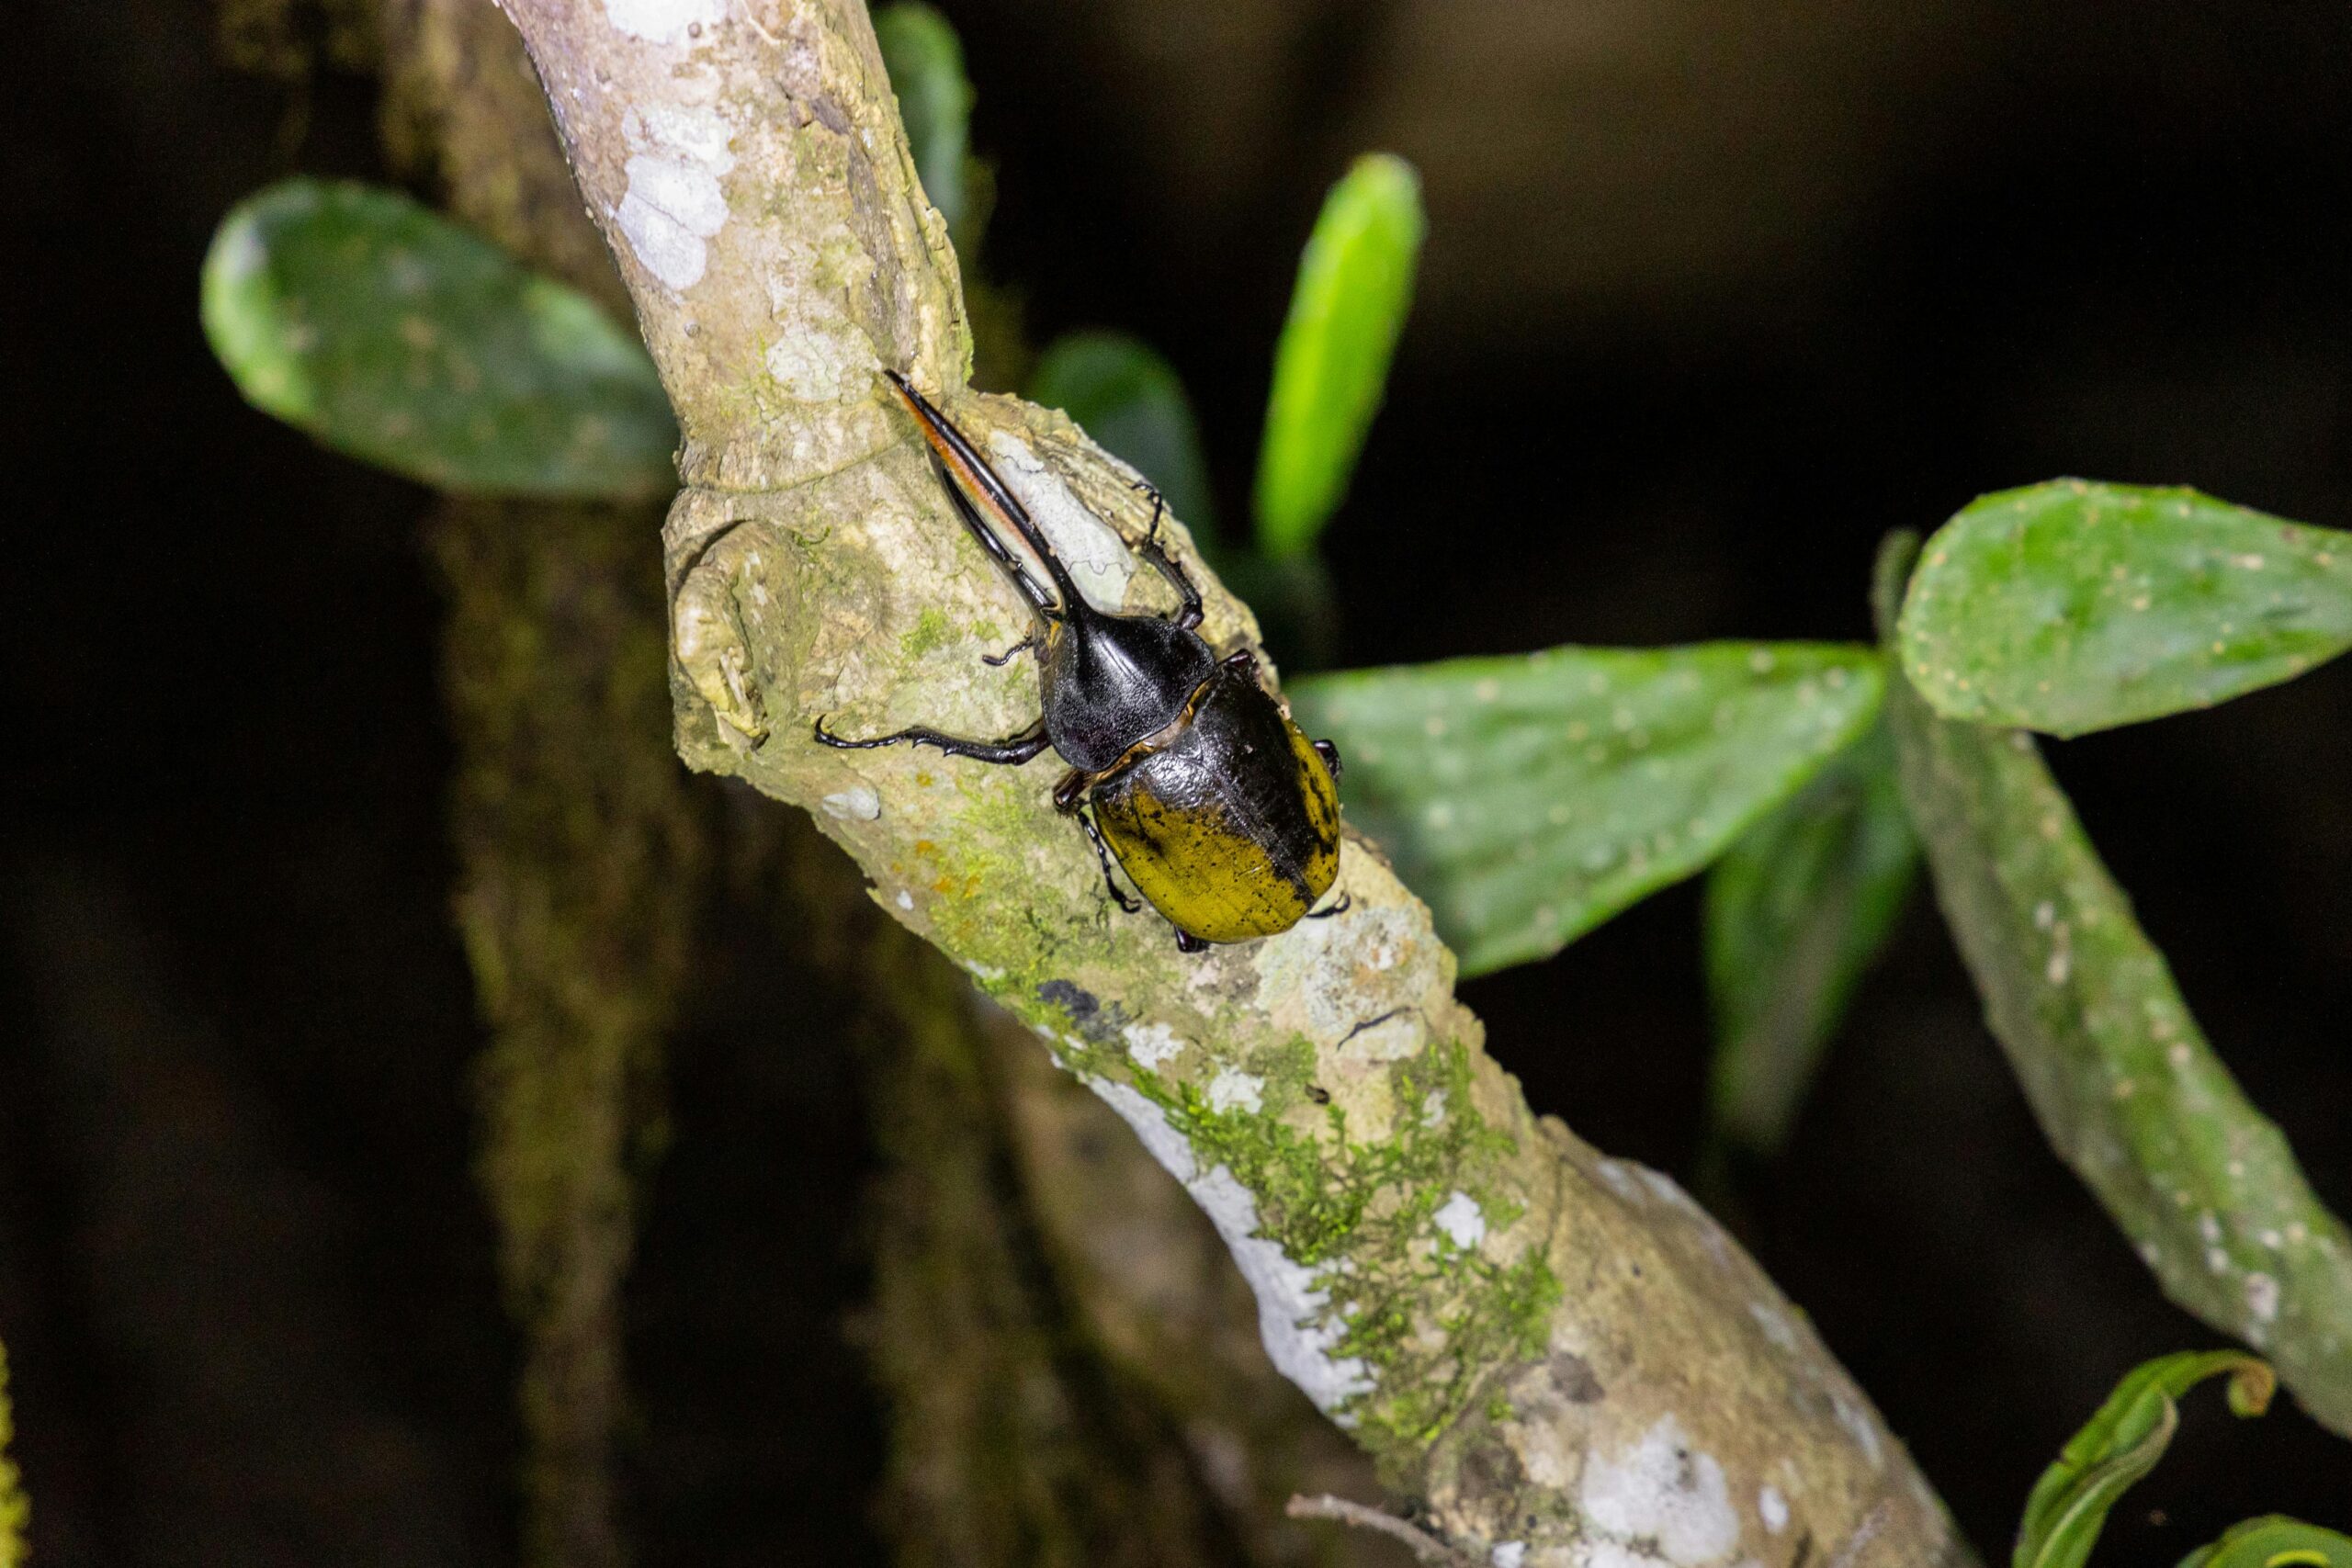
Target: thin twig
(1425,1546)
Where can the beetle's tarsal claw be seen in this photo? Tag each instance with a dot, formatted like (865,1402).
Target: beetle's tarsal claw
(1345,902)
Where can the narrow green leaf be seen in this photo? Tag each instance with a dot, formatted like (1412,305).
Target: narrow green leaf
(386,331)
(15,1514)
(2274,1541)
(925,60)
(1797,910)
(1528,798)
(1356,283)
(1132,403)
(2123,1083)
(2118,1445)
(2069,606)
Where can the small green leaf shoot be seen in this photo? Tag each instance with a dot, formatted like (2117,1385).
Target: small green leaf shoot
(1355,284)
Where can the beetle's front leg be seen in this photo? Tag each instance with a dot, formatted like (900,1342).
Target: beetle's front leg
(1067,798)
(1189,613)
(1011,751)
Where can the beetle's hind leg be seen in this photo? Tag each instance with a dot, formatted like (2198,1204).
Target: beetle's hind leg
(1185,941)
(1012,751)
(1068,795)
(1340,906)
(1188,614)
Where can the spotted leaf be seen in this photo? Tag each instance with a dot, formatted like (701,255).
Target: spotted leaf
(1530,798)
(385,331)
(2069,606)
(2124,1085)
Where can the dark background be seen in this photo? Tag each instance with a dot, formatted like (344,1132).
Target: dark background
(1716,292)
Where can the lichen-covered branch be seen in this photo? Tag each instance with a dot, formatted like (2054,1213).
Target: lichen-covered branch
(1559,1353)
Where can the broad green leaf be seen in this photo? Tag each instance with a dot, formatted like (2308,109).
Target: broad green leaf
(388,332)
(1528,798)
(2123,1083)
(1356,283)
(2274,1541)
(2069,606)
(1132,403)
(2122,1442)
(1797,910)
(925,60)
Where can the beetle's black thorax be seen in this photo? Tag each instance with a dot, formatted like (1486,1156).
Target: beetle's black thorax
(1110,681)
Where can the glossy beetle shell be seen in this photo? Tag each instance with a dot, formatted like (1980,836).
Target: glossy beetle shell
(1229,821)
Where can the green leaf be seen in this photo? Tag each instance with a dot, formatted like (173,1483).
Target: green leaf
(1356,283)
(2070,607)
(15,1514)
(1528,798)
(2274,1541)
(2122,1442)
(386,331)
(1132,403)
(1797,910)
(2124,1085)
(925,60)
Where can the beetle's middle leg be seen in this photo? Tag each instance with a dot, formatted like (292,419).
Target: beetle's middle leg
(1012,750)
(1068,795)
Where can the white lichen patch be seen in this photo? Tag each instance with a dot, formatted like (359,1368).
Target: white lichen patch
(1233,1089)
(1775,1326)
(1151,1044)
(1772,1509)
(1463,1222)
(1098,560)
(673,204)
(1860,1427)
(664,21)
(1296,1317)
(1331,977)
(1391,1040)
(1664,1491)
(1507,1554)
(1619,1176)
(858,803)
(2262,1298)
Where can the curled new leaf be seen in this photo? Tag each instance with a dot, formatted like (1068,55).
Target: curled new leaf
(2120,1076)
(2070,607)
(1131,403)
(2122,1442)
(1528,798)
(388,332)
(1797,910)
(925,60)
(2274,1541)
(1356,283)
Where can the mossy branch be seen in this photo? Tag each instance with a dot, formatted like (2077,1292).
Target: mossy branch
(1559,1353)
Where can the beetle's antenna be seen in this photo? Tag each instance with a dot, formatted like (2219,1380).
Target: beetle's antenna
(965,463)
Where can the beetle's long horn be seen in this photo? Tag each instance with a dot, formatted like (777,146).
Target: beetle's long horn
(964,460)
